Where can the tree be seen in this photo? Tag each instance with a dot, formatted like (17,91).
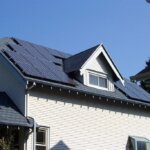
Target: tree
(148,1)
(145,84)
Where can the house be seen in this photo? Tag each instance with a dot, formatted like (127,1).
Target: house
(142,75)
(53,100)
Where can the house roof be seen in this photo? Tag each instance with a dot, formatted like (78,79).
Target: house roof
(45,65)
(78,62)
(75,62)
(142,75)
(10,114)
(36,61)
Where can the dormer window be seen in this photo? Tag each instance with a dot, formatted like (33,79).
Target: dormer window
(97,80)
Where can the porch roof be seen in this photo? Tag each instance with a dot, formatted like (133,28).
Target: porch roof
(10,114)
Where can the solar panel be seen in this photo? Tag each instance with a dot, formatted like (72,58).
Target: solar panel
(133,90)
(52,51)
(39,67)
(21,49)
(36,53)
(142,93)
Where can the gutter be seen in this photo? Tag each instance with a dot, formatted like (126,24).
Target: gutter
(134,101)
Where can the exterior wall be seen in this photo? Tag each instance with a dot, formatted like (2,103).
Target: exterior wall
(12,84)
(78,122)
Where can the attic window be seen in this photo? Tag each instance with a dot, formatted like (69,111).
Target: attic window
(98,80)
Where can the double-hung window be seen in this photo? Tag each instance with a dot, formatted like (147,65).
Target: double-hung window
(41,139)
(98,80)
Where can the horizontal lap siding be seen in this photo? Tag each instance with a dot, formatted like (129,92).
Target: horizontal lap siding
(80,127)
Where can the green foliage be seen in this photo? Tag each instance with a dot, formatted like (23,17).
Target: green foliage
(7,137)
(4,144)
(146,83)
(148,63)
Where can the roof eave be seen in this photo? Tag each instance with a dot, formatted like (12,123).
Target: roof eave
(66,87)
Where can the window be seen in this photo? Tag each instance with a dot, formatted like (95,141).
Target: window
(138,143)
(41,139)
(143,145)
(98,80)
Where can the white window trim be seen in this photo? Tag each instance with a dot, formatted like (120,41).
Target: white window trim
(46,138)
(98,74)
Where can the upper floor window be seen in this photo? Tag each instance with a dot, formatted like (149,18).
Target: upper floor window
(41,139)
(98,80)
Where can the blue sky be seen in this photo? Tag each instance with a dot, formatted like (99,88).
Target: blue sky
(123,26)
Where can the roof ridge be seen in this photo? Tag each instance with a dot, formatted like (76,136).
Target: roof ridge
(84,51)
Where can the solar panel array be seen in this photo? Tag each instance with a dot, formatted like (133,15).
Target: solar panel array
(47,64)
(37,61)
(133,91)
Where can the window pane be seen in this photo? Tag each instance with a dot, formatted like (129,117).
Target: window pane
(40,148)
(102,82)
(93,79)
(141,145)
(147,146)
(40,136)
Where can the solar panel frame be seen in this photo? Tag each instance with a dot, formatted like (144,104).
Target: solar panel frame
(133,91)
(34,52)
(39,68)
(140,92)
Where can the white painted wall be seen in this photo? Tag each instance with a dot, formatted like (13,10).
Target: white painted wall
(86,124)
(12,84)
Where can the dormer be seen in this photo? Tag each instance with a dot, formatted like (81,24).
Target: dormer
(94,67)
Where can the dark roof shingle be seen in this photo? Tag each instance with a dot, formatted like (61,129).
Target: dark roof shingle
(74,63)
(10,114)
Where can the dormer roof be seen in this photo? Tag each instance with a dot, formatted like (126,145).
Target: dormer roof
(75,62)
(79,61)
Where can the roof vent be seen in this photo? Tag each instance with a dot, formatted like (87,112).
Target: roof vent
(10,47)
(15,41)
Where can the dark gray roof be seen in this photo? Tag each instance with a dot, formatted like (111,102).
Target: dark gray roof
(45,64)
(133,91)
(74,63)
(9,113)
(37,61)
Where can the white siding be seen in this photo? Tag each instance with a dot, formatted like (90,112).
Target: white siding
(86,124)
(11,83)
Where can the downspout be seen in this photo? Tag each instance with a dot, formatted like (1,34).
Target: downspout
(136,145)
(34,135)
(34,122)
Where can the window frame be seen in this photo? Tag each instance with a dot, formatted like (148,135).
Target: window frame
(46,145)
(99,75)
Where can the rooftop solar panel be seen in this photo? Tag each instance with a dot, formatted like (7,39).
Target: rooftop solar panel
(45,63)
(133,91)
(52,51)
(141,93)
(39,67)
(38,54)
